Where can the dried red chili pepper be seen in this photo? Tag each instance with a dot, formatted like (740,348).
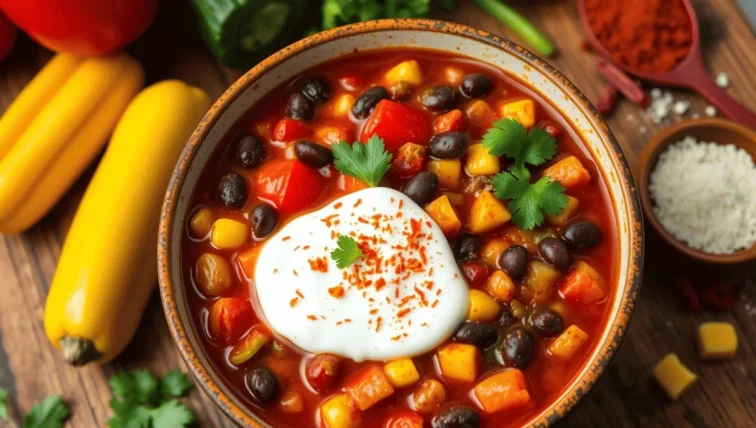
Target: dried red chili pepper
(686,293)
(608,100)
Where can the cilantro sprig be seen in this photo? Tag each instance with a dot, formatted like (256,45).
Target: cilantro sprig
(368,162)
(3,403)
(528,202)
(140,400)
(48,413)
(346,253)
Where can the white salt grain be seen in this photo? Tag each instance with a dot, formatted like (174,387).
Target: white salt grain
(710,111)
(705,195)
(681,107)
(723,80)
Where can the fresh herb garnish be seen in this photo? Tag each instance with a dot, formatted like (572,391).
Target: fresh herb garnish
(140,400)
(3,403)
(49,413)
(509,138)
(340,12)
(367,162)
(346,253)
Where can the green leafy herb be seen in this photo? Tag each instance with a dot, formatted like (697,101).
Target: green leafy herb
(509,138)
(3,403)
(49,413)
(171,414)
(529,202)
(141,401)
(367,162)
(340,12)
(176,384)
(347,252)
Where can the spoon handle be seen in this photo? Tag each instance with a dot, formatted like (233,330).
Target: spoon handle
(703,84)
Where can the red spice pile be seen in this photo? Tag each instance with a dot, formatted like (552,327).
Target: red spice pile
(650,36)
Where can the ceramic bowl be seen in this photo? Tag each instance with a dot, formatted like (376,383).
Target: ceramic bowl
(717,130)
(426,34)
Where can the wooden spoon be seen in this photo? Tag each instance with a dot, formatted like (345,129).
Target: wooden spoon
(689,73)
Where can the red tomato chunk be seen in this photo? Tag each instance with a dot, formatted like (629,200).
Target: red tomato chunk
(397,124)
(289,185)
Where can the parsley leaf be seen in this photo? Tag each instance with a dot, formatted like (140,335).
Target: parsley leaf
(171,414)
(3,403)
(346,253)
(509,138)
(367,162)
(529,202)
(176,384)
(49,413)
(141,401)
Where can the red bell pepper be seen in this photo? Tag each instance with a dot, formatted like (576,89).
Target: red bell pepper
(289,185)
(397,124)
(230,317)
(8,33)
(451,121)
(82,27)
(289,130)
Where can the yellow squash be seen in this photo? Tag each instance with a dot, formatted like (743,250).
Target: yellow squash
(107,269)
(55,127)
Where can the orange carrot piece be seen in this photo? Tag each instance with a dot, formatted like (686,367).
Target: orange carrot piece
(569,172)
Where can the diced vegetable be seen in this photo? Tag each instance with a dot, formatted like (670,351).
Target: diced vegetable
(428,395)
(475,273)
(541,279)
(492,250)
(229,234)
(292,402)
(201,222)
(505,390)
(449,172)
(487,213)
(322,371)
(247,347)
(569,172)
(562,218)
(583,284)
(246,261)
(289,185)
(458,362)
(453,76)
(369,387)
(480,161)
(332,134)
(230,317)
(522,111)
(443,214)
(350,184)
(450,121)
(482,307)
(501,286)
(339,107)
(214,275)
(397,124)
(405,419)
(673,376)
(717,340)
(479,113)
(525,238)
(289,130)
(408,161)
(568,343)
(340,412)
(406,71)
(456,199)
(401,372)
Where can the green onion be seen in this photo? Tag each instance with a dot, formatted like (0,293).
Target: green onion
(519,24)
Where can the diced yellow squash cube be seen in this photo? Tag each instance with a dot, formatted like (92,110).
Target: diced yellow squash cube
(522,111)
(501,286)
(673,376)
(449,172)
(717,340)
(487,213)
(401,372)
(492,250)
(458,362)
(568,343)
(339,412)
(562,218)
(506,390)
(453,76)
(341,106)
(229,234)
(442,212)
(201,222)
(457,199)
(541,279)
(480,161)
(482,307)
(569,172)
(405,71)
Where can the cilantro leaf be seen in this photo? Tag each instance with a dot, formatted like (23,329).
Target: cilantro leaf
(145,385)
(340,12)
(122,386)
(367,162)
(3,403)
(171,414)
(346,253)
(529,202)
(175,384)
(128,415)
(509,138)
(49,413)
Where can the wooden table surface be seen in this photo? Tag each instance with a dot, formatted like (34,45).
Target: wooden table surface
(724,396)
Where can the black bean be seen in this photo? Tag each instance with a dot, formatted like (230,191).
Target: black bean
(439,98)
(448,145)
(400,91)
(547,322)
(264,219)
(514,261)
(467,247)
(507,318)
(517,347)
(232,190)
(312,154)
(554,252)
(250,151)
(317,90)
(300,107)
(422,187)
(475,85)
(582,234)
(263,385)
(365,103)
(456,417)
(479,334)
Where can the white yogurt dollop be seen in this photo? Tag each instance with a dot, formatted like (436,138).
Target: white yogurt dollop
(403,298)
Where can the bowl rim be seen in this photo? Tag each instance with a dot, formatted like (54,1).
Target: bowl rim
(615,332)
(648,158)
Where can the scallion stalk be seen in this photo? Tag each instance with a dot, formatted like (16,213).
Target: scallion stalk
(519,24)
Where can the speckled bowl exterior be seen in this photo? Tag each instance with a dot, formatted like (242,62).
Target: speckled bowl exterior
(456,39)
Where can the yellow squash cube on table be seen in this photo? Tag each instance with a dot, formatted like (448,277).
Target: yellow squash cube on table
(458,362)
(717,340)
(673,376)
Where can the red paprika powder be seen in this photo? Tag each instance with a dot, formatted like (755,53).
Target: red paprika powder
(650,36)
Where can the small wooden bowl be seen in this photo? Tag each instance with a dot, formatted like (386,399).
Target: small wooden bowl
(715,130)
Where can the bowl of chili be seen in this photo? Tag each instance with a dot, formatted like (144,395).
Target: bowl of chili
(548,283)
